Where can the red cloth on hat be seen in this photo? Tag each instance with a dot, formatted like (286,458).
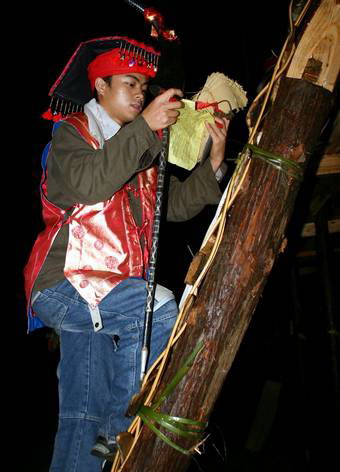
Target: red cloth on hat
(111,62)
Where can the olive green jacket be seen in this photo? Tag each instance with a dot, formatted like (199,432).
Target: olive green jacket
(77,173)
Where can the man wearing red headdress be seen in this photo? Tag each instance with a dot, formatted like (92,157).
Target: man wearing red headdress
(86,274)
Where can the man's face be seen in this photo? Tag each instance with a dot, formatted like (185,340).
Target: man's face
(124,99)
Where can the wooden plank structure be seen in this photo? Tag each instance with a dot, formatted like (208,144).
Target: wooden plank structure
(253,237)
(309,228)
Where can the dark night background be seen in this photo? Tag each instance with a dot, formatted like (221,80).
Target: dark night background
(278,408)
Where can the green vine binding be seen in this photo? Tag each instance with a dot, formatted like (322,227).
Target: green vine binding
(290,167)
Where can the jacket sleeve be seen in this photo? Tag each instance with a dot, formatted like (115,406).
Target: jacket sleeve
(77,173)
(188,198)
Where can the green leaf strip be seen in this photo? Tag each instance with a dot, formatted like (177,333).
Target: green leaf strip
(179,375)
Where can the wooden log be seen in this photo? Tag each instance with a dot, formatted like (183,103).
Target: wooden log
(230,292)
(252,240)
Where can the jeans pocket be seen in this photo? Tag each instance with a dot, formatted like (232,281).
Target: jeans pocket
(50,310)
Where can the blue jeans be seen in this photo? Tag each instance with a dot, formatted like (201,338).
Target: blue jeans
(98,371)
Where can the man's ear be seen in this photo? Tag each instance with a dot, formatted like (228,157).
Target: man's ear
(100,85)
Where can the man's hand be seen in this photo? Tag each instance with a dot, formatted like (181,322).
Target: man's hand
(218,135)
(162,112)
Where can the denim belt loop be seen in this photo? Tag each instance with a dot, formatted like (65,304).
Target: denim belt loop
(34,296)
(96,318)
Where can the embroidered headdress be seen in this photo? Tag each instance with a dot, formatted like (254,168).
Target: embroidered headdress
(99,57)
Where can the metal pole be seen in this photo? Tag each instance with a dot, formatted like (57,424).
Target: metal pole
(151,285)
(156,22)
(138,5)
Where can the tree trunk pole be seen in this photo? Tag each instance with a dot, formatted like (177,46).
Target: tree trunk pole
(253,238)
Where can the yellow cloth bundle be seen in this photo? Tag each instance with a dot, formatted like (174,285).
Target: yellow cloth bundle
(186,135)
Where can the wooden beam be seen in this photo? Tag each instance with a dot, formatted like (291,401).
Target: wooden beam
(312,253)
(329,164)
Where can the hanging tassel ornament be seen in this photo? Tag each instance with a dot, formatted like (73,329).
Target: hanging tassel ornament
(48,115)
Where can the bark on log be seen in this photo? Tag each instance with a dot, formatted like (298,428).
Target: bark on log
(229,294)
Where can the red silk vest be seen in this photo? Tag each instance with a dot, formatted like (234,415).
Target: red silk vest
(104,244)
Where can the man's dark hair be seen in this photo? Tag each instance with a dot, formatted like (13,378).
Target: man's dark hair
(108,80)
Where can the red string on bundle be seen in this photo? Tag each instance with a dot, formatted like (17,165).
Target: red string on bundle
(201,105)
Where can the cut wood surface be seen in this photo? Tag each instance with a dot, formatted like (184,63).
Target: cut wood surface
(316,57)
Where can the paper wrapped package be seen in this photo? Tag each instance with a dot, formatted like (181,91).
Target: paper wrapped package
(189,137)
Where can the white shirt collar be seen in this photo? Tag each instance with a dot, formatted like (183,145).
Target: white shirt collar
(101,125)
